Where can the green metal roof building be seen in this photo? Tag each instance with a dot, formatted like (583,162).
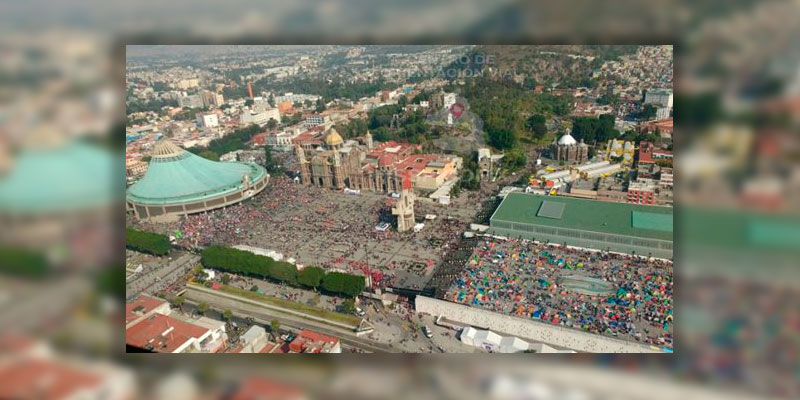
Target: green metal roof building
(620,227)
(178,182)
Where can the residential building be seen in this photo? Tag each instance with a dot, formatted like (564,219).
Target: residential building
(309,341)
(184,84)
(642,191)
(284,138)
(666,178)
(256,388)
(211,99)
(135,169)
(260,118)
(142,307)
(160,333)
(32,370)
(207,120)
(191,101)
(660,97)
(314,120)
(662,113)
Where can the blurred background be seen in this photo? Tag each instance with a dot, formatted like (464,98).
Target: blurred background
(737,211)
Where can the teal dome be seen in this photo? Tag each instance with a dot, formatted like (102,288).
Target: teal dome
(177,176)
(72,177)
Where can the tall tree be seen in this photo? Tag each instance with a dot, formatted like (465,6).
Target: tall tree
(202,308)
(209,155)
(536,123)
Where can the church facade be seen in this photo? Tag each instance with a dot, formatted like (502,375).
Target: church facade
(568,149)
(339,165)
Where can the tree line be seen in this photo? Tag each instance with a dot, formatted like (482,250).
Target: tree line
(238,140)
(146,242)
(247,263)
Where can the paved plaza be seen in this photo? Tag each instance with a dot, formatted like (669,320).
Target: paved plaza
(331,229)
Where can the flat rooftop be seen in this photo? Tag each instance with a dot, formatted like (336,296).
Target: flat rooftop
(627,219)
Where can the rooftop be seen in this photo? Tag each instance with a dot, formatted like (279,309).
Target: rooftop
(165,334)
(44,379)
(177,176)
(73,177)
(260,388)
(652,222)
(312,342)
(142,305)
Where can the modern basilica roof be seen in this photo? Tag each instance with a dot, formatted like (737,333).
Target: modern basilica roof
(178,176)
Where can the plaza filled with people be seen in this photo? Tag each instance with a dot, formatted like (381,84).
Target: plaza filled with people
(536,281)
(325,228)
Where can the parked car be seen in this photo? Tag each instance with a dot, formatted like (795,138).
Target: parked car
(427,331)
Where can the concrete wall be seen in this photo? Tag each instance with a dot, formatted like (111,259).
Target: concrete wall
(585,239)
(529,329)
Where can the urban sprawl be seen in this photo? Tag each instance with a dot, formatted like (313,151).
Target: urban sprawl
(454,199)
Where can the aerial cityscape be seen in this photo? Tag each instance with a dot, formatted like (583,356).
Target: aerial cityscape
(401,199)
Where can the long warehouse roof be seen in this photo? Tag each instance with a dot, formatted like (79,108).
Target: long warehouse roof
(627,219)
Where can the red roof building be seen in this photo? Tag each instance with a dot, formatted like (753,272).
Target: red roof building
(163,334)
(649,154)
(400,150)
(261,389)
(646,153)
(44,379)
(260,139)
(142,306)
(664,126)
(309,139)
(314,342)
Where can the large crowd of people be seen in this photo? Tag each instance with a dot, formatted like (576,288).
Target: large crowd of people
(321,227)
(524,279)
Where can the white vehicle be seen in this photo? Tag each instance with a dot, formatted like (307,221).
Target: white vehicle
(427,331)
(360,312)
(395,195)
(418,227)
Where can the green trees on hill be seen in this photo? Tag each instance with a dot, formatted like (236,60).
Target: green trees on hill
(245,262)
(592,129)
(146,242)
(515,159)
(502,105)
(536,125)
